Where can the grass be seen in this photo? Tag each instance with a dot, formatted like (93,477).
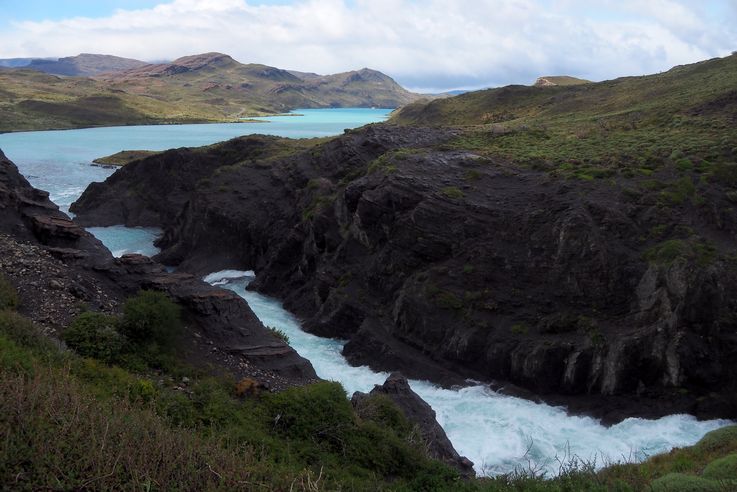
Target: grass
(70,423)
(680,118)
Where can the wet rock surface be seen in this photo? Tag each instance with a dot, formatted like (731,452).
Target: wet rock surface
(446,265)
(60,270)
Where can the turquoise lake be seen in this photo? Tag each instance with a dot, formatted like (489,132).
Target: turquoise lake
(499,433)
(59,161)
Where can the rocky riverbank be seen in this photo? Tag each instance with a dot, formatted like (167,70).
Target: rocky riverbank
(60,270)
(447,265)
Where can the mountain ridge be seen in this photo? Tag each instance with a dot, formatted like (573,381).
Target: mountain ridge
(206,87)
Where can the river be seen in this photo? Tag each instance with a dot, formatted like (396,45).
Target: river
(498,433)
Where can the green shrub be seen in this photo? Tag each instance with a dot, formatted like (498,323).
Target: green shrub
(446,299)
(452,192)
(8,295)
(718,439)
(684,165)
(381,410)
(95,335)
(520,329)
(318,412)
(21,331)
(151,318)
(667,252)
(722,469)
(677,482)
(726,173)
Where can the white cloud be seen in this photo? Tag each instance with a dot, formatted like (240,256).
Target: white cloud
(429,44)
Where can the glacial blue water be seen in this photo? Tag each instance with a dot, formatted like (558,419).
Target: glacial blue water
(498,433)
(60,161)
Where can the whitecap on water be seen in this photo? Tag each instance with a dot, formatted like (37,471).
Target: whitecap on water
(499,433)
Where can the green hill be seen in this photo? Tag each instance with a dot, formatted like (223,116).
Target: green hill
(688,112)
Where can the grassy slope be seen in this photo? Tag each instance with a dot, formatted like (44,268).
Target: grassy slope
(31,100)
(689,109)
(67,422)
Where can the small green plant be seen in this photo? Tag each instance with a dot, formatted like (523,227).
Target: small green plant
(667,252)
(95,335)
(446,299)
(280,334)
(722,469)
(520,329)
(472,175)
(468,268)
(8,295)
(150,317)
(452,192)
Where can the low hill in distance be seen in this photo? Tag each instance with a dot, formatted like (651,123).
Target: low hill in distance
(210,87)
(84,65)
(552,80)
(19,62)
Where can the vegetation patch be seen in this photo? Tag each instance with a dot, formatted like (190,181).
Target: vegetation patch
(452,192)
(8,295)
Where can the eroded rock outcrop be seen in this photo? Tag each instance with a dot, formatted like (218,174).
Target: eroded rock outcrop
(59,269)
(440,263)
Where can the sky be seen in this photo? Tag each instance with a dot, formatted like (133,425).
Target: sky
(427,46)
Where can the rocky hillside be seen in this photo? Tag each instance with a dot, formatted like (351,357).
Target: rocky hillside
(200,88)
(62,270)
(609,292)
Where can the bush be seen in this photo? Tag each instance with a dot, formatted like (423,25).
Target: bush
(319,411)
(151,318)
(722,469)
(452,192)
(718,439)
(8,296)
(95,335)
(677,482)
(22,332)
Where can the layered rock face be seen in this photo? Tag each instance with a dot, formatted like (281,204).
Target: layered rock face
(445,265)
(59,267)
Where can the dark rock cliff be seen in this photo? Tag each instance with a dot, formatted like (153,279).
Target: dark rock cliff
(445,265)
(58,267)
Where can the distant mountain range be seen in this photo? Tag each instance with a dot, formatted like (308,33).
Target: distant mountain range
(102,90)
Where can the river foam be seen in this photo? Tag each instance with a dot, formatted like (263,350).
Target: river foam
(499,433)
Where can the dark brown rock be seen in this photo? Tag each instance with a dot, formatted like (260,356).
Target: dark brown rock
(55,264)
(424,258)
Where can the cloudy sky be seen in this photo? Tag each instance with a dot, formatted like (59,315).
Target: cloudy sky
(425,45)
